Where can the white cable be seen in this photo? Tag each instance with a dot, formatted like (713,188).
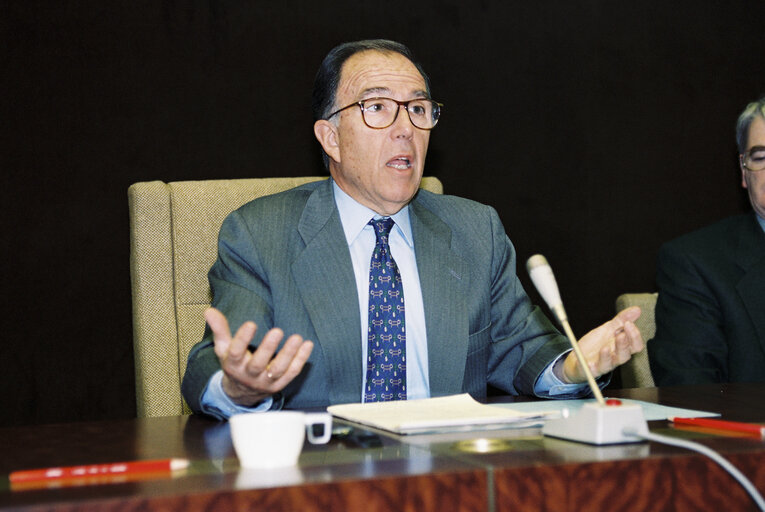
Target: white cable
(723,462)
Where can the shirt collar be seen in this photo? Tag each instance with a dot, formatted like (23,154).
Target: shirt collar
(761,221)
(354,217)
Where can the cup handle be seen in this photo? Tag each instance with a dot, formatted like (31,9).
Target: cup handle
(319,418)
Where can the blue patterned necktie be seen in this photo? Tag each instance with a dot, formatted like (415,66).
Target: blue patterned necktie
(386,334)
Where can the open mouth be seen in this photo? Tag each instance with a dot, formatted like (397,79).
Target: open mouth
(400,163)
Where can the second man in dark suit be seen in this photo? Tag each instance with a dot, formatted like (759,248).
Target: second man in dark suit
(710,315)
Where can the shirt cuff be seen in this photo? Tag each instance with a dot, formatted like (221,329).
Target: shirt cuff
(548,385)
(216,402)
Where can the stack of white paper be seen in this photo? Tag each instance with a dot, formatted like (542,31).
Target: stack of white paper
(443,414)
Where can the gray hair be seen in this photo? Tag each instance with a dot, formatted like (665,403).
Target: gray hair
(754,109)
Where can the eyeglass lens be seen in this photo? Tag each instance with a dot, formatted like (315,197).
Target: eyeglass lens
(382,112)
(754,160)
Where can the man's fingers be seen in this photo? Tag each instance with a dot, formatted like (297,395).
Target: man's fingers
(609,345)
(294,367)
(249,377)
(238,348)
(217,322)
(630,314)
(604,361)
(230,351)
(276,366)
(623,346)
(265,352)
(634,337)
(221,333)
(615,326)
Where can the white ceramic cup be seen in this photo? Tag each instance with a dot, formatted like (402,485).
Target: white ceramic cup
(275,439)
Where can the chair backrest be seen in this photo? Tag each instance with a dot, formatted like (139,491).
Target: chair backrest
(173,243)
(636,373)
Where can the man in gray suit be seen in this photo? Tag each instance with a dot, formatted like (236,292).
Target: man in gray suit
(299,262)
(710,316)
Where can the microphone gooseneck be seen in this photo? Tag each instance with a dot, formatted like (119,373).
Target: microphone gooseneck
(542,276)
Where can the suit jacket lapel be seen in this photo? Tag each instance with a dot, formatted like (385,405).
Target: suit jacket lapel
(750,256)
(324,275)
(445,280)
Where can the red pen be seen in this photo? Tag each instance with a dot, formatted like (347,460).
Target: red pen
(94,470)
(732,426)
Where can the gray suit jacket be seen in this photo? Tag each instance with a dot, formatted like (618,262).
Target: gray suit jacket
(283,261)
(710,316)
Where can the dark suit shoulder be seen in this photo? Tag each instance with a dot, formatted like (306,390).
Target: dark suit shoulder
(717,238)
(716,255)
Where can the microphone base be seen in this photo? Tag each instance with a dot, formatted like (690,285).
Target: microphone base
(599,424)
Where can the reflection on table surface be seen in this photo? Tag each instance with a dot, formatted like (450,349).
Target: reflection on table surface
(481,470)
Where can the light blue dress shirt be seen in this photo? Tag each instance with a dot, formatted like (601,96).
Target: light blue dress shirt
(361,242)
(761,221)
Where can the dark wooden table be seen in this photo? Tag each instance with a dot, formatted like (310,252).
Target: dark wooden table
(525,472)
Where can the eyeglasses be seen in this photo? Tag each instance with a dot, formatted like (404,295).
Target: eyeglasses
(753,160)
(382,112)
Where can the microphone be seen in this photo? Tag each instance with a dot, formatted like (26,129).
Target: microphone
(542,276)
(595,423)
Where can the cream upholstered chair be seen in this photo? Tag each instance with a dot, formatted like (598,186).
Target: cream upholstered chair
(636,373)
(173,243)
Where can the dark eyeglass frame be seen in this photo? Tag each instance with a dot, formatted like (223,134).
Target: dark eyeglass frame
(400,104)
(742,158)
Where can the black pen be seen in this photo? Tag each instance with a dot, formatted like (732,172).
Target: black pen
(357,436)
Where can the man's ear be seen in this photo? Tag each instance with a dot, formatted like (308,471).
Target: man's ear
(743,179)
(326,134)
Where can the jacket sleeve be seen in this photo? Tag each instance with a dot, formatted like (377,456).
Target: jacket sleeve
(241,292)
(524,341)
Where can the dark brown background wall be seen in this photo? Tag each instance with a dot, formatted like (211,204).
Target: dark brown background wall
(597,129)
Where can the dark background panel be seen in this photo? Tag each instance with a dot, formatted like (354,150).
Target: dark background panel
(597,129)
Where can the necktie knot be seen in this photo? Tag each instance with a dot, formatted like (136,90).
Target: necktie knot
(382,229)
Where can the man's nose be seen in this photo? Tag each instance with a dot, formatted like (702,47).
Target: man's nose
(403,122)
